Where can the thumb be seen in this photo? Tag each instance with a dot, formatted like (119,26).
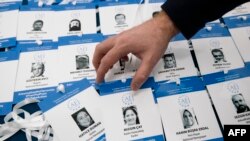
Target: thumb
(142,74)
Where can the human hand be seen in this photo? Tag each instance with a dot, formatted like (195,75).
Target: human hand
(147,41)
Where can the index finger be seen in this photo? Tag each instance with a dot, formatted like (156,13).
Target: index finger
(109,60)
(101,49)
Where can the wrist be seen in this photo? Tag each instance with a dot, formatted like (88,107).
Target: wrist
(166,25)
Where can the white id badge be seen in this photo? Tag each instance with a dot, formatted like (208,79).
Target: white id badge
(240,10)
(230,96)
(37,23)
(76,19)
(77,53)
(37,74)
(240,25)
(75,114)
(116,17)
(8,24)
(8,65)
(215,50)
(176,62)
(129,115)
(185,110)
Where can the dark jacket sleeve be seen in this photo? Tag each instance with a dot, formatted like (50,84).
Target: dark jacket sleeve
(191,15)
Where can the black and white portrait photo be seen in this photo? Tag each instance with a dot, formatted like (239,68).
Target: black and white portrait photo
(37,25)
(218,56)
(240,103)
(120,19)
(169,61)
(122,63)
(188,118)
(130,116)
(83,119)
(75,25)
(82,62)
(37,69)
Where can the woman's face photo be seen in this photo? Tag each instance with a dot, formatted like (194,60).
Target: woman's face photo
(37,69)
(83,119)
(130,117)
(188,118)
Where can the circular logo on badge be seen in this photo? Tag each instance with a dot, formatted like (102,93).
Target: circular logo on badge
(74,105)
(214,43)
(127,100)
(39,57)
(75,15)
(81,50)
(184,101)
(233,87)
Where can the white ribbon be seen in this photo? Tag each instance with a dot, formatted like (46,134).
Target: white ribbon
(66,2)
(32,124)
(43,2)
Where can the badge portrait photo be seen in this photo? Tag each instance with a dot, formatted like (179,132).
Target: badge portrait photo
(189,118)
(37,69)
(83,119)
(82,62)
(169,61)
(130,116)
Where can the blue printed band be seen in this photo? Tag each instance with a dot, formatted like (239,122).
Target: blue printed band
(8,3)
(101,138)
(216,31)
(153,138)
(89,38)
(9,55)
(9,7)
(247,64)
(187,85)
(5,108)
(32,2)
(231,75)
(178,37)
(32,46)
(35,7)
(8,42)
(217,139)
(74,7)
(71,89)
(34,93)
(237,21)
(103,4)
(156,1)
(119,86)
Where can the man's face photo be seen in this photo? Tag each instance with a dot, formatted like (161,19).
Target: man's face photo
(169,61)
(82,62)
(37,69)
(74,25)
(120,19)
(37,25)
(218,55)
(240,103)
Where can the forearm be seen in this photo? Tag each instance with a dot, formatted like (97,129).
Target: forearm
(191,15)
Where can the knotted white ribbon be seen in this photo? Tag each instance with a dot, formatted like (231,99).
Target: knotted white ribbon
(32,124)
